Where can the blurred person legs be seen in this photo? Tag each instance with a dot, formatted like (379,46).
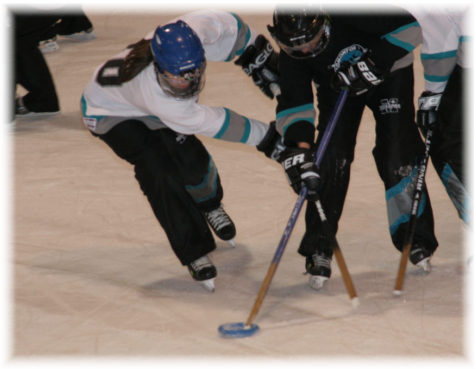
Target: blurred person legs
(31,69)
(73,24)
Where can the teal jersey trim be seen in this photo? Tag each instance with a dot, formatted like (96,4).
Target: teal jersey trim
(84,106)
(248,36)
(436,78)
(225,125)
(204,183)
(404,45)
(247,131)
(402,28)
(395,41)
(442,55)
(311,121)
(296,109)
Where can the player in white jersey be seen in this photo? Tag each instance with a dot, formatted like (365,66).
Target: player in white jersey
(444,55)
(143,103)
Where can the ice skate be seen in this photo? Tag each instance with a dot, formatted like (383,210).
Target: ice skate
(420,256)
(221,224)
(86,35)
(48,46)
(202,270)
(318,266)
(21,111)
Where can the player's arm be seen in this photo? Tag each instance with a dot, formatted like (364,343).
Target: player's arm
(390,39)
(260,62)
(295,122)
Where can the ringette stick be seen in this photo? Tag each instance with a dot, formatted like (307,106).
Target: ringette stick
(349,285)
(417,195)
(297,207)
(247,329)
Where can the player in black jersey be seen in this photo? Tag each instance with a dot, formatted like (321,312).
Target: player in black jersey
(371,55)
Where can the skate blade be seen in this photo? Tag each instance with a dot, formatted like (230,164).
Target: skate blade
(209,284)
(49,47)
(424,265)
(317,281)
(80,36)
(232,242)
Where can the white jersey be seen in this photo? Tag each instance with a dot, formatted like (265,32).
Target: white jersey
(445,43)
(223,36)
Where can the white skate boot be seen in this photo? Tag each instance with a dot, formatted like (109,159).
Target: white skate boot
(420,256)
(318,265)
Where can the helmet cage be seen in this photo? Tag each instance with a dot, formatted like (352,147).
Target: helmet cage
(179,60)
(304,47)
(301,33)
(181,86)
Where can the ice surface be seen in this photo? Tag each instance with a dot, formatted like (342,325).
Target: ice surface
(94,276)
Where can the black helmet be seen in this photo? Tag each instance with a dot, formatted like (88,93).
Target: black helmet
(302,33)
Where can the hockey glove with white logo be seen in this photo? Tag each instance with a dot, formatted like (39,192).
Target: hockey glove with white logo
(301,171)
(272,144)
(358,77)
(260,62)
(427,112)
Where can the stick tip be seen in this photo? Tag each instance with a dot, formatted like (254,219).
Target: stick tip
(355,302)
(397,293)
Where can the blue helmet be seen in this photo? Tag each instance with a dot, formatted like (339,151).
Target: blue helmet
(177,50)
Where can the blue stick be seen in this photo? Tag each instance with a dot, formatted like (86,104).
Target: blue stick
(297,207)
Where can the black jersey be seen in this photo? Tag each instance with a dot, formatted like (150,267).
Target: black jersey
(390,38)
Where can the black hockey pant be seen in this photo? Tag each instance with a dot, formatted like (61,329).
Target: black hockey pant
(31,69)
(398,148)
(177,175)
(447,146)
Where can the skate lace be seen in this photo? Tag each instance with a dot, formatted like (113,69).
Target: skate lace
(200,263)
(321,261)
(218,218)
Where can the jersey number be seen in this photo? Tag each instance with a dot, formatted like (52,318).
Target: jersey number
(366,73)
(110,73)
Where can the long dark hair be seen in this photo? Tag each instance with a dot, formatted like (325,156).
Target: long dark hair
(138,59)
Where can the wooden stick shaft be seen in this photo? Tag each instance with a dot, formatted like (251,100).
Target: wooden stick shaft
(262,293)
(420,180)
(297,208)
(402,267)
(344,271)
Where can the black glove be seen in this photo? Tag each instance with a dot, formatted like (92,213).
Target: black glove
(272,144)
(357,76)
(427,112)
(300,169)
(260,62)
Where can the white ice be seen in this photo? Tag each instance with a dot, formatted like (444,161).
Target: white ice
(93,275)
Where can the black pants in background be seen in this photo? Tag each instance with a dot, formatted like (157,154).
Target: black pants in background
(31,70)
(68,24)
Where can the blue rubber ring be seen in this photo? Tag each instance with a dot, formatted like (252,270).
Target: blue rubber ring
(237,330)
